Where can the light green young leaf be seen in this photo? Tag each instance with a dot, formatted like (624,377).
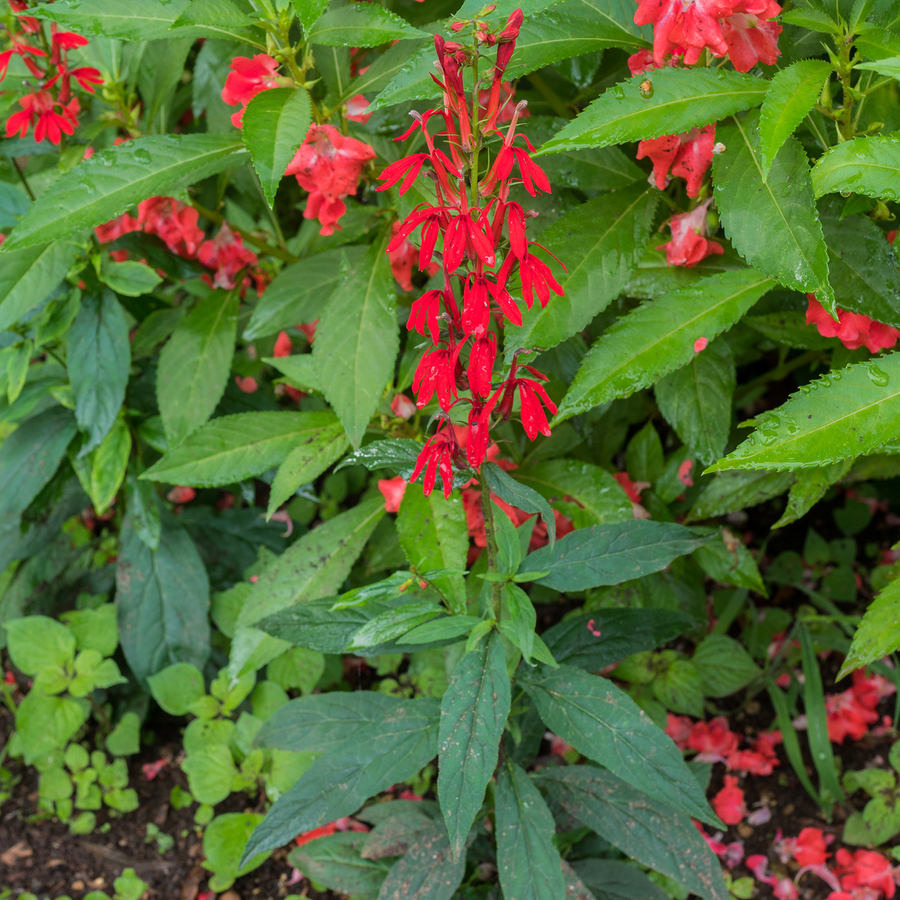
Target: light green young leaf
(39,642)
(680,99)
(217,13)
(658,337)
(724,665)
(812,19)
(865,165)
(601,242)
(177,687)
(367,25)
(792,94)
(194,365)
(28,276)
(773,224)
(108,466)
(275,123)
(730,563)
(878,633)
(889,66)
(357,340)
(114,180)
(130,278)
(848,413)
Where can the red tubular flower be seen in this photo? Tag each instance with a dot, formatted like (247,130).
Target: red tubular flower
(248,77)
(478,438)
(87,77)
(425,313)
(463,235)
(440,451)
(689,244)
(437,372)
(49,118)
(536,276)
(481,365)
(29,23)
(476,306)
(407,168)
(283,345)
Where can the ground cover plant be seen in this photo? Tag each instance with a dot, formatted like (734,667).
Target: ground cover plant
(449,449)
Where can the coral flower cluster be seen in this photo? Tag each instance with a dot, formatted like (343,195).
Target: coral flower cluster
(479,236)
(854,330)
(50,109)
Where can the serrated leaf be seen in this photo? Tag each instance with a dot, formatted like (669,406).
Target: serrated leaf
(792,94)
(136,20)
(428,870)
(357,340)
(611,879)
(659,336)
(473,715)
(222,13)
(865,165)
(724,665)
(680,99)
(809,488)
(359,25)
(334,861)
(399,454)
(848,413)
(275,123)
(773,224)
(601,243)
(696,401)
(108,465)
(308,11)
(606,725)
(529,865)
(737,490)
(611,554)
(114,180)
(433,535)
(299,292)
(730,563)
(194,365)
(878,634)
(377,76)
(889,66)
(391,624)
(640,824)
(522,496)
(142,506)
(812,19)
(877,43)
(28,276)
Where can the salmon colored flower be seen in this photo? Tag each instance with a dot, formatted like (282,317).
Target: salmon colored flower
(403,407)
(283,345)
(355,109)
(854,330)
(689,244)
(248,385)
(752,39)
(728,803)
(864,869)
(181,494)
(226,254)
(248,77)
(714,740)
(677,727)
(173,222)
(393,490)
(687,155)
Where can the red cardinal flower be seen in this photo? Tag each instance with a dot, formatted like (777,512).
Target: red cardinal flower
(393,490)
(49,117)
(437,371)
(853,329)
(248,77)
(439,452)
(481,365)
(689,244)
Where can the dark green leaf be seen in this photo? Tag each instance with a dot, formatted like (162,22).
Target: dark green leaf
(878,633)
(528,863)
(98,361)
(812,19)
(724,665)
(28,276)
(865,165)
(137,20)
(610,879)
(377,76)
(611,554)
(606,725)
(473,715)
(809,488)
(399,454)
(366,25)
(143,508)
(162,597)
(314,625)
(427,870)
(516,494)
(391,624)
(335,862)
(737,490)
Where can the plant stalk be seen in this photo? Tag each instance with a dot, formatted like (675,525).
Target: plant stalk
(491,536)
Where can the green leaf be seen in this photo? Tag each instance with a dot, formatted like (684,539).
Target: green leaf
(162,597)
(137,20)
(316,450)
(738,490)
(809,488)
(46,724)
(611,554)
(38,642)
(125,738)
(473,715)
(177,687)
(610,879)
(642,825)
(300,371)
(28,276)
(399,454)
(680,99)
(314,625)
(679,687)
(377,76)
(99,358)
(433,535)
(724,665)
(730,563)
(224,840)
(878,634)
(528,863)
(696,401)
(606,725)
(275,123)
(773,224)
(308,11)
(622,632)
(520,495)
(812,19)
(848,413)
(94,629)
(594,490)
(889,66)
(133,279)
(658,337)
(792,94)
(215,13)
(334,861)
(30,456)
(371,760)
(108,465)
(601,243)
(114,180)
(194,365)
(865,165)
(297,668)
(862,266)
(316,565)
(367,25)
(157,83)
(143,508)
(429,870)
(877,43)
(357,340)
(391,624)
(300,292)
(211,773)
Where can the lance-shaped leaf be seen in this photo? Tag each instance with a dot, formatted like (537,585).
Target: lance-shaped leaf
(848,413)
(114,180)
(473,715)
(399,454)
(865,165)
(357,340)
(678,100)
(528,863)
(233,448)
(640,824)
(194,365)
(809,488)
(28,276)
(611,554)
(334,861)
(612,879)
(428,870)
(738,490)
(889,66)
(878,634)
(385,68)
(300,292)
(601,243)
(433,535)
(773,224)
(275,123)
(606,725)
(658,337)
(360,26)
(162,597)
(520,495)
(373,759)
(308,11)
(136,20)
(792,94)
(315,626)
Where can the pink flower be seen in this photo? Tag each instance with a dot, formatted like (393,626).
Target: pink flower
(714,740)
(248,385)
(700,344)
(631,488)
(865,869)
(853,329)
(847,717)
(678,728)
(729,802)
(761,760)
(113,230)
(226,254)
(309,329)
(181,494)
(810,848)
(752,39)
(688,155)
(173,222)
(248,77)
(872,689)
(355,109)
(557,745)
(684,473)
(393,490)
(689,244)
(151,770)
(283,345)
(403,407)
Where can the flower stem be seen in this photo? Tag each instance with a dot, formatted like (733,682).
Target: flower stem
(487,509)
